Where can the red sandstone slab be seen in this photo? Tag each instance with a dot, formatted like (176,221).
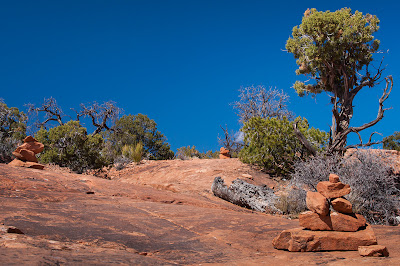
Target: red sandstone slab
(299,239)
(333,190)
(373,251)
(316,202)
(342,205)
(334,222)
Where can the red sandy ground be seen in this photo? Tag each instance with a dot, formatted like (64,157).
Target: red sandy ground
(157,213)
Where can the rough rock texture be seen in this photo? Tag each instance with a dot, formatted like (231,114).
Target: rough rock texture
(19,163)
(224,153)
(317,203)
(373,251)
(333,190)
(299,239)
(259,198)
(25,154)
(342,205)
(334,178)
(155,213)
(334,222)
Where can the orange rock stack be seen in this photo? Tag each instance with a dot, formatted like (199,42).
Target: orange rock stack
(224,153)
(326,230)
(25,154)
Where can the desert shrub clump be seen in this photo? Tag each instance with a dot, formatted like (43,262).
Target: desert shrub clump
(133,152)
(272,144)
(12,130)
(70,146)
(373,192)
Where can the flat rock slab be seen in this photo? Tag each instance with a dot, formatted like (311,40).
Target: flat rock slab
(333,190)
(373,251)
(334,222)
(300,239)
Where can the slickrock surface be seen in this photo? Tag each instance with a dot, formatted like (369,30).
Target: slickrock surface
(157,213)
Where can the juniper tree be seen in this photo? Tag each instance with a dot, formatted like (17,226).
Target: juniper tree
(335,51)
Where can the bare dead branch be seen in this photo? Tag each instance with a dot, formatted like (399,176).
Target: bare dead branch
(304,140)
(51,110)
(256,101)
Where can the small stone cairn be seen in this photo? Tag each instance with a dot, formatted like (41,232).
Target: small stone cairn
(326,230)
(224,153)
(25,154)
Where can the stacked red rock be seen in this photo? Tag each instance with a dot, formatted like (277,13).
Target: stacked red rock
(224,153)
(25,154)
(340,229)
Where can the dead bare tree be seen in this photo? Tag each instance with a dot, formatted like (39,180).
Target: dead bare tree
(230,141)
(100,115)
(51,111)
(257,101)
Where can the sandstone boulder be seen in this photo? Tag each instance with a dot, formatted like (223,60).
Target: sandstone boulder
(317,203)
(334,178)
(334,222)
(28,155)
(19,163)
(333,190)
(342,205)
(224,153)
(373,251)
(299,239)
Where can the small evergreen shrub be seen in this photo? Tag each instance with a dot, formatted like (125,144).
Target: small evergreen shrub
(272,144)
(70,146)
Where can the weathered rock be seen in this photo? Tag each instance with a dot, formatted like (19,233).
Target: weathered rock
(19,163)
(259,198)
(342,205)
(373,251)
(299,239)
(224,153)
(334,178)
(28,155)
(317,203)
(34,146)
(333,190)
(334,222)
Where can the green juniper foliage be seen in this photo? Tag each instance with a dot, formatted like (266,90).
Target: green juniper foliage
(334,51)
(272,144)
(132,129)
(392,142)
(70,146)
(12,130)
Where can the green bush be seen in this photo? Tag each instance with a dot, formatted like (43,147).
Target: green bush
(392,142)
(186,153)
(133,152)
(70,146)
(12,130)
(132,129)
(272,144)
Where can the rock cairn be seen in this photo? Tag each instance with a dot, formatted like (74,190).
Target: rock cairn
(224,153)
(25,154)
(326,230)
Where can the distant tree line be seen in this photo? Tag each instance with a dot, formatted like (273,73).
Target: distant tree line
(115,137)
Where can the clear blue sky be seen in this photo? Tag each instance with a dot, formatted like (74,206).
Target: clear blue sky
(179,62)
